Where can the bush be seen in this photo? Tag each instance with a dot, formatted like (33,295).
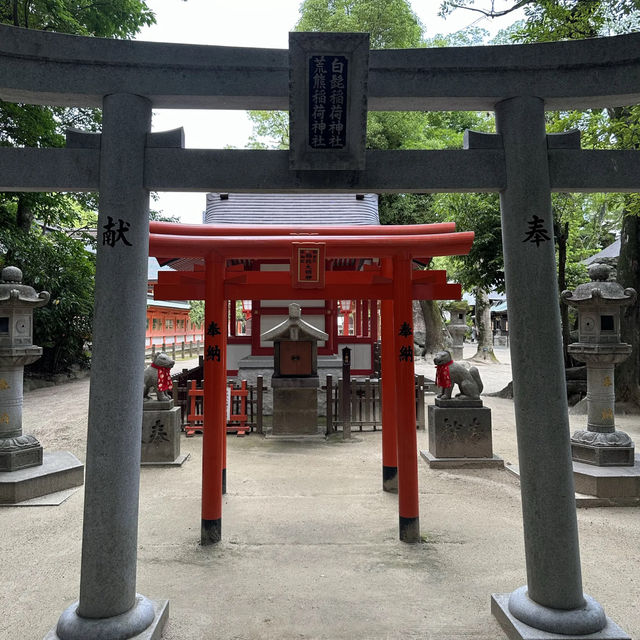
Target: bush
(64,267)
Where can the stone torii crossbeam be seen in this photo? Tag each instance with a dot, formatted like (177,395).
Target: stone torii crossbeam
(126,161)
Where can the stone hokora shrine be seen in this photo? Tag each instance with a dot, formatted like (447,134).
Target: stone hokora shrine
(521,162)
(26,470)
(295,377)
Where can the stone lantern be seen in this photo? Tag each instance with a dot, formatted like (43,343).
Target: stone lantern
(457,328)
(26,471)
(17,302)
(598,304)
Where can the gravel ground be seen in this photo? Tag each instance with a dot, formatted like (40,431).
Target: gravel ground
(310,545)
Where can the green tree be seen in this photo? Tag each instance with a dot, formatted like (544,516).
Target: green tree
(40,126)
(196,313)
(63,266)
(614,127)
(391,24)
(55,260)
(482,270)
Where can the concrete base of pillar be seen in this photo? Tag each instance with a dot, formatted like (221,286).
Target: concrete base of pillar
(390,479)
(495,462)
(409,529)
(59,470)
(178,462)
(608,482)
(517,630)
(103,626)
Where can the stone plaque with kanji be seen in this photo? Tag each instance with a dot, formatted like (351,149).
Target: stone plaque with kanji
(328,100)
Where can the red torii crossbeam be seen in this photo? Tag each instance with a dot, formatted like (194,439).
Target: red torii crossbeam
(393,281)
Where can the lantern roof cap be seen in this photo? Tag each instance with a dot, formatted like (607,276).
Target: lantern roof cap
(14,293)
(600,291)
(283,330)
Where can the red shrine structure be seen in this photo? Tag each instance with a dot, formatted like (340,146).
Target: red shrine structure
(386,253)
(168,322)
(349,322)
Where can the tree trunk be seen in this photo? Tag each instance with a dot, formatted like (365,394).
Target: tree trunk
(432,324)
(24,213)
(483,322)
(627,374)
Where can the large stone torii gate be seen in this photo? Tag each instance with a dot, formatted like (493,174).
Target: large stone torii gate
(126,161)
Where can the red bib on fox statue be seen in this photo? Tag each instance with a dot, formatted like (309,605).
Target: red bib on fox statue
(443,378)
(158,376)
(164,378)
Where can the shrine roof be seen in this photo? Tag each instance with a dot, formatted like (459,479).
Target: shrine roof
(153,267)
(168,304)
(612,251)
(320,209)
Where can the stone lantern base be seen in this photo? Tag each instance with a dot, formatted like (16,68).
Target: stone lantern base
(603,456)
(619,483)
(60,470)
(613,449)
(20,452)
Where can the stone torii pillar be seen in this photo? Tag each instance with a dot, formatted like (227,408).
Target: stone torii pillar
(552,600)
(109,606)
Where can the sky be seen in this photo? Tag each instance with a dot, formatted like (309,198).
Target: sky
(247,23)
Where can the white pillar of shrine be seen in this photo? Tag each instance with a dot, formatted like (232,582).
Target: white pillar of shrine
(109,606)
(552,599)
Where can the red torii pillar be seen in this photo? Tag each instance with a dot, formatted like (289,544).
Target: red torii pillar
(389,431)
(408,496)
(214,400)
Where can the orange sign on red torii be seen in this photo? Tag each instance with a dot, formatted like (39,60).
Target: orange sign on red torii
(392,280)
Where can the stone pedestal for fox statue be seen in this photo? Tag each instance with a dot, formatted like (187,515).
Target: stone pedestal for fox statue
(160,419)
(459,426)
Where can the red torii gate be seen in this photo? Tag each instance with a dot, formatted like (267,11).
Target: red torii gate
(393,281)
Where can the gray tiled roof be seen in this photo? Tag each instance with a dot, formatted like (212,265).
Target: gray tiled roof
(321,209)
(612,251)
(153,267)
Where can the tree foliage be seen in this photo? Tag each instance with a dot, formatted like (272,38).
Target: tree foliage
(196,313)
(615,127)
(113,19)
(391,23)
(61,265)
(483,267)
(50,258)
